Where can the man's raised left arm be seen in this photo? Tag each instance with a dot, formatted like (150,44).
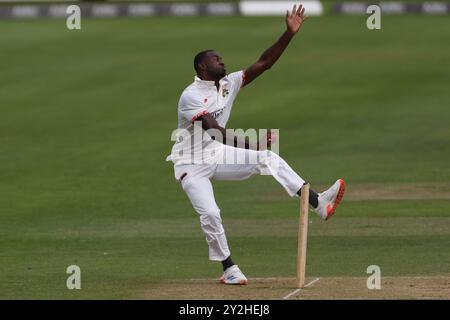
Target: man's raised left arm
(294,21)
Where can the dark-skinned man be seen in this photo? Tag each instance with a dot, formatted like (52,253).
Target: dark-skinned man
(205,106)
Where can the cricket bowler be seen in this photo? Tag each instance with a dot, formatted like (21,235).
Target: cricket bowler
(206,105)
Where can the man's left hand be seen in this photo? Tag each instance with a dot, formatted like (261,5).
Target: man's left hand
(295,19)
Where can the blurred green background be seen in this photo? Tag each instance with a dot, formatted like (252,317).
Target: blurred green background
(85,124)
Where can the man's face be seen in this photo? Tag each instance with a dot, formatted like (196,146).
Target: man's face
(214,65)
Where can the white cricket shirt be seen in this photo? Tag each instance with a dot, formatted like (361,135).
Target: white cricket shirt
(197,99)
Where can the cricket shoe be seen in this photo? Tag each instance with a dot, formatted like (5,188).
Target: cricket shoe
(233,275)
(329,200)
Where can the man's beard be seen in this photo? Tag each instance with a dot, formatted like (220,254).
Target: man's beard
(218,74)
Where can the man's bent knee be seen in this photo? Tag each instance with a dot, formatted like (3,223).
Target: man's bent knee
(269,162)
(211,222)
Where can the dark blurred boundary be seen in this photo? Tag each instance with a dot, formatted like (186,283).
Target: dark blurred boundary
(103,8)
(393,7)
(278,309)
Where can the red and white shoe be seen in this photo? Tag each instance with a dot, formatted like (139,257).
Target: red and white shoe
(233,275)
(329,199)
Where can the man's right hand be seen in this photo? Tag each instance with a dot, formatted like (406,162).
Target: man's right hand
(266,142)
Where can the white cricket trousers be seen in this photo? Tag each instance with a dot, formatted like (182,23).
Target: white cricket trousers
(196,182)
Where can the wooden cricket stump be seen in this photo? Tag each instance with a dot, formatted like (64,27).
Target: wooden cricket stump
(302,236)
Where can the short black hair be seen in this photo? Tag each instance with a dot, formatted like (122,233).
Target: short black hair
(199,58)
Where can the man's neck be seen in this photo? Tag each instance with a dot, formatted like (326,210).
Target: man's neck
(206,78)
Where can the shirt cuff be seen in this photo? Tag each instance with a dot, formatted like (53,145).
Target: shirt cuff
(198,115)
(243,78)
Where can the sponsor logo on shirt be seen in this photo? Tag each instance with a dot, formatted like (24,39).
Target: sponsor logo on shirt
(217,113)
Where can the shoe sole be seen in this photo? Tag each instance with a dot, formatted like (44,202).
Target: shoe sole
(241,283)
(338,199)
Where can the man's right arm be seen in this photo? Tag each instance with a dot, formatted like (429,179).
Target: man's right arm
(210,125)
(193,110)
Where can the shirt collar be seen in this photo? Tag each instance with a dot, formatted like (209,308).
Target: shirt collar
(206,82)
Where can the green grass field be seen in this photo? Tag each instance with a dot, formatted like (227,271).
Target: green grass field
(85,124)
